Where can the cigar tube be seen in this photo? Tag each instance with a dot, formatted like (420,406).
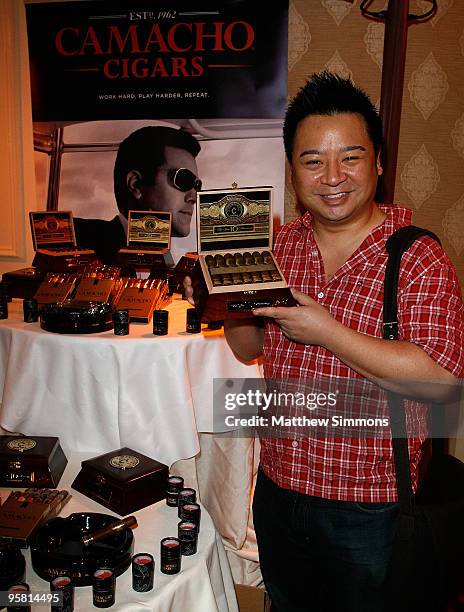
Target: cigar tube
(216,280)
(247,278)
(248,259)
(256,276)
(275,275)
(128,521)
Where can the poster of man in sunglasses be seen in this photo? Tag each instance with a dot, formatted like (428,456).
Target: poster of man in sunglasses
(110,167)
(155,169)
(106,77)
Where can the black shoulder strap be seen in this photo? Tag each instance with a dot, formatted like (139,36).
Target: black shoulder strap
(396,245)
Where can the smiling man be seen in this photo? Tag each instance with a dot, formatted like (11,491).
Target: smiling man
(155,169)
(325,508)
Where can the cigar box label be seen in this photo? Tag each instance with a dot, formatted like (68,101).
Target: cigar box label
(52,229)
(138,299)
(234,216)
(149,229)
(124,462)
(48,294)
(21,444)
(94,290)
(18,519)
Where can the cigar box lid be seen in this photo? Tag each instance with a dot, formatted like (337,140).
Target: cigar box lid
(149,229)
(52,229)
(123,465)
(230,219)
(29,449)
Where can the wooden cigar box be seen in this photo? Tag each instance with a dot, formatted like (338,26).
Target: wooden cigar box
(236,270)
(68,261)
(55,245)
(23,283)
(122,480)
(31,461)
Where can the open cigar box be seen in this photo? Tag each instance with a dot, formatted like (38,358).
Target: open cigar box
(236,270)
(54,241)
(148,242)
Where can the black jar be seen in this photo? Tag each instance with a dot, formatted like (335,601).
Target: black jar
(121,322)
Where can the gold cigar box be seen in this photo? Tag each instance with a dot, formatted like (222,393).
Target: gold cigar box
(148,243)
(236,270)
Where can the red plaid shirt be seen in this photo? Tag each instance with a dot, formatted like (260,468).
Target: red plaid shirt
(430,314)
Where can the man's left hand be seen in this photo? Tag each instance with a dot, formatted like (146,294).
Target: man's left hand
(307,323)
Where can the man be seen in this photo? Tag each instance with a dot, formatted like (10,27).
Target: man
(155,169)
(325,508)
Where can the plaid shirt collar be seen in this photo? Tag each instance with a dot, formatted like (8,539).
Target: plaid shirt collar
(396,217)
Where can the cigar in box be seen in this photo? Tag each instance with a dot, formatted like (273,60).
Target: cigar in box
(236,270)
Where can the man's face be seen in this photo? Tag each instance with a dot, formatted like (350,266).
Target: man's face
(334,167)
(161,194)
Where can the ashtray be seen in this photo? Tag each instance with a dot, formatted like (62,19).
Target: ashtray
(76,317)
(57,548)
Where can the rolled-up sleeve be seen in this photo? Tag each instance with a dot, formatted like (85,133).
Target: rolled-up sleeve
(430,306)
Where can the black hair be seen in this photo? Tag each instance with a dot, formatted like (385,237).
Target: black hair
(326,93)
(143,150)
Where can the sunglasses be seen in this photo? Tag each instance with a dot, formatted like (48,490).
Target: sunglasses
(183,179)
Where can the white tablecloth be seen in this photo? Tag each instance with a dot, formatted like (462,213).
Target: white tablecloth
(204,583)
(154,394)
(100,392)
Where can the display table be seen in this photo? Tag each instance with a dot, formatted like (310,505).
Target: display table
(204,583)
(154,394)
(101,392)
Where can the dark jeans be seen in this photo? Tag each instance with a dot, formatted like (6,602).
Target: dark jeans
(320,555)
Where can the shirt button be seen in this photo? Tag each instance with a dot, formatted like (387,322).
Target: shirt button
(321,294)
(295,444)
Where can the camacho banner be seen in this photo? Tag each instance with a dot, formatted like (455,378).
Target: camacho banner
(138,60)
